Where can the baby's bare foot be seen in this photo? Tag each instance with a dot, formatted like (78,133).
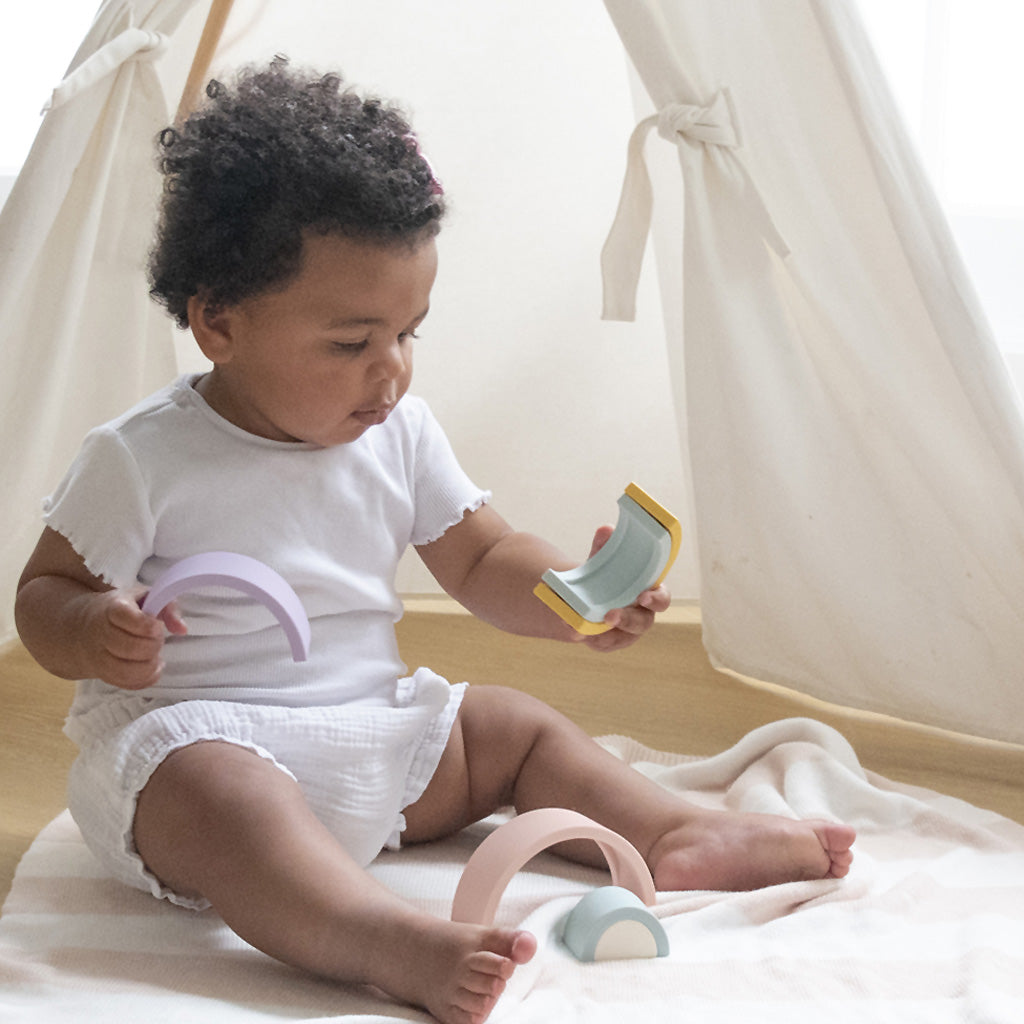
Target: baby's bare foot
(724,850)
(461,970)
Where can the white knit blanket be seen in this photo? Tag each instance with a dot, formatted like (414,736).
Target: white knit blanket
(928,927)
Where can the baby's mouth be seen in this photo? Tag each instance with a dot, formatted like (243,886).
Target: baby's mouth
(372,417)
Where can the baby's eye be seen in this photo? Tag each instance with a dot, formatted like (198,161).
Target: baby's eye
(349,348)
(408,336)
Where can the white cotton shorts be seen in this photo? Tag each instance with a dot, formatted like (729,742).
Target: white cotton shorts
(358,766)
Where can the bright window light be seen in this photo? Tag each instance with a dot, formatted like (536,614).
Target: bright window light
(956,71)
(40,40)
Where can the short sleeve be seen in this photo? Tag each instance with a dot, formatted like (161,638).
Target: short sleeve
(101,508)
(443,491)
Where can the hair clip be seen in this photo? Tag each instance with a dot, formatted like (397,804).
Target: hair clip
(436,187)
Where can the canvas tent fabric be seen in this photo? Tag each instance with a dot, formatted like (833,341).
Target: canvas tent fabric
(854,446)
(80,338)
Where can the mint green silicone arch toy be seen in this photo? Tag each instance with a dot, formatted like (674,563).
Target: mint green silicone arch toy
(637,556)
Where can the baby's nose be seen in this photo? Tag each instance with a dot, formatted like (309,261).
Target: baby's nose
(392,361)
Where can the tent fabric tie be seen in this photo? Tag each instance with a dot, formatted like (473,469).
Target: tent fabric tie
(132,43)
(713,125)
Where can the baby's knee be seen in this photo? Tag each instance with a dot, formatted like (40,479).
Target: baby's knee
(200,797)
(204,784)
(506,717)
(210,775)
(488,701)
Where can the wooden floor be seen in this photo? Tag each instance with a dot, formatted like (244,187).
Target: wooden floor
(662,692)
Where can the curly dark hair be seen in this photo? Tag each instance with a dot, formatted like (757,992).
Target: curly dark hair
(280,153)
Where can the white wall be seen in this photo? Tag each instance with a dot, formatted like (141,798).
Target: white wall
(524,107)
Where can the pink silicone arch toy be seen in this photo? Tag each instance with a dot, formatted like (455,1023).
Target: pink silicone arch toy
(508,848)
(240,572)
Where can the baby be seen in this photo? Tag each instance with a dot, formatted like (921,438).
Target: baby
(297,242)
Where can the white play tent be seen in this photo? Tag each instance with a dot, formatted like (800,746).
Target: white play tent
(809,371)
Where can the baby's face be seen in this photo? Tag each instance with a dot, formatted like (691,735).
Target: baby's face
(329,355)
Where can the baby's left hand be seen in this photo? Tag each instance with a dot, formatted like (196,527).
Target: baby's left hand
(628,624)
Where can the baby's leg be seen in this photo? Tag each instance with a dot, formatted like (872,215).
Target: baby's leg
(509,749)
(219,821)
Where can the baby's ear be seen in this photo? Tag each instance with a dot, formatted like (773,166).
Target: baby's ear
(212,327)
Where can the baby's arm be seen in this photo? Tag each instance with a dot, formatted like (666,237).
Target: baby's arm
(78,627)
(492,569)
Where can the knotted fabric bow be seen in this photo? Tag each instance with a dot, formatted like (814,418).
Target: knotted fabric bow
(131,43)
(683,124)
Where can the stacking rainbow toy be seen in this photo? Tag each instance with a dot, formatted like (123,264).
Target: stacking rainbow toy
(637,556)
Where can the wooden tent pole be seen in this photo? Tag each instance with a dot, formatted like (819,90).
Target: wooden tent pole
(196,82)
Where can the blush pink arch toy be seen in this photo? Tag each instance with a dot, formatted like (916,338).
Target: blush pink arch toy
(508,848)
(240,572)
(609,923)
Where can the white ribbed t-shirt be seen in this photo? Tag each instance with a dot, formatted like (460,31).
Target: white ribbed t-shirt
(172,478)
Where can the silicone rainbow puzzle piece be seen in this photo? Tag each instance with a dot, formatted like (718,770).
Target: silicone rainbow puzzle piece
(609,923)
(636,557)
(240,572)
(612,923)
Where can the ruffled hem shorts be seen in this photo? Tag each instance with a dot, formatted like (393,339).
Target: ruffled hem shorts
(358,766)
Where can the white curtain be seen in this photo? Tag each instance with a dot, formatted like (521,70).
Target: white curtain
(857,451)
(79,337)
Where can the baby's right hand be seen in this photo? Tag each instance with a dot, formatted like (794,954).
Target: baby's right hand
(125,643)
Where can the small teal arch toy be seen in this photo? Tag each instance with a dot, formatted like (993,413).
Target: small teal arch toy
(609,923)
(612,923)
(636,557)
